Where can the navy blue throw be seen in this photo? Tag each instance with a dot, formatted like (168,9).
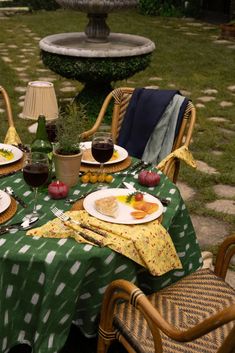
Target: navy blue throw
(144,111)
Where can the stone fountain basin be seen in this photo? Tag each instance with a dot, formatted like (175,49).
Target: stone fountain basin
(76,45)
(97,6)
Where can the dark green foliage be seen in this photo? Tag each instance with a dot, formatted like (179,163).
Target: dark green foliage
(170,8)
(193,8)
(100,70)
(149,7)
(97,74)
(69,126)
(161,8)
(92,96)
(37,4)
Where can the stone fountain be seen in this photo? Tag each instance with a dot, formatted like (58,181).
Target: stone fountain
(96,57)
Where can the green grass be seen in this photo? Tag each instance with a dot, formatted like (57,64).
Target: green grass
(190,62)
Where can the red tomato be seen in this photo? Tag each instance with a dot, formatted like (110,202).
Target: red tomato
(139,196)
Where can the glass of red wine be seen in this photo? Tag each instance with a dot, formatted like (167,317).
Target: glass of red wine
(102,148)
(35,173)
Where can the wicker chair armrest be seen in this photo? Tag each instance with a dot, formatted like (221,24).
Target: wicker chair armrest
(224,255)
(99,119)
(8,106)
(171,169)
(127,291)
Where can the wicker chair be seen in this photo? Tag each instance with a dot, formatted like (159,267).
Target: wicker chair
(8,106)
(120,97)
(11,125)
(196,314)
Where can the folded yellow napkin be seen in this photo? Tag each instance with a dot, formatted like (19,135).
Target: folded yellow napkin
(12,138)
(183,154)
(148,244)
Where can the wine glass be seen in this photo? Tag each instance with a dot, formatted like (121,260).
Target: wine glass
(35,173)
(102,148)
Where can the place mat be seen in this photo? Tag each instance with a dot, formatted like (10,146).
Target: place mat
(9,213)
(77,206)
(110,168)
(13,167)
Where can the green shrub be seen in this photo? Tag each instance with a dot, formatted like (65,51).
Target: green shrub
(161,8)
(38,4)
(149,7)
(192,8)
(170,8)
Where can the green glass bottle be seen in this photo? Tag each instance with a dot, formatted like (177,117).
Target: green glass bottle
(42,144)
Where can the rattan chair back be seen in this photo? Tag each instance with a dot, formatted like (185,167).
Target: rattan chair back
(120,98)
(194,315)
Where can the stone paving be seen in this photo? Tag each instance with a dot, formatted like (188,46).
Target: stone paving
(210,231)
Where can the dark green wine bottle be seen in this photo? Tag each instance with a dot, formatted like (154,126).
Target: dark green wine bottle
(41,142)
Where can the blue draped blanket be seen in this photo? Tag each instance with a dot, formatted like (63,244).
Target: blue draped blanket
(144,111)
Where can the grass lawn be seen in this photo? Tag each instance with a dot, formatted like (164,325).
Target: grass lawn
(187,57)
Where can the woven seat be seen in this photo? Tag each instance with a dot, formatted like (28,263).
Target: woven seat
(120,98)
(196,314)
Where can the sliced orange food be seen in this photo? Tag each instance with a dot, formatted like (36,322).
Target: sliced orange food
(148,207)
(138,214)
(138,205)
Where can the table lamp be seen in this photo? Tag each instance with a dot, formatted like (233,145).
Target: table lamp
(40,99)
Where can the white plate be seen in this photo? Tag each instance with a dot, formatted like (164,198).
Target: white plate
(123,154)
(5,201)
(17,153)
(124,216)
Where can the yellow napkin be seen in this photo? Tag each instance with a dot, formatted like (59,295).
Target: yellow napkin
(182,153)
(12,138)
(148,244)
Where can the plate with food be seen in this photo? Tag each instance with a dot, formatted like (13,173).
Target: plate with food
(9,154)
(119,154)
(123,206)
(5,201)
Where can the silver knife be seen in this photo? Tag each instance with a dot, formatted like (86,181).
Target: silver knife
(23,225)
(129,186)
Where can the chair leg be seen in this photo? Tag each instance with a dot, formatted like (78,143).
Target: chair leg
(103,345)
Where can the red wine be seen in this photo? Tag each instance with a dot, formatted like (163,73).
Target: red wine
(35,174)
(102,151)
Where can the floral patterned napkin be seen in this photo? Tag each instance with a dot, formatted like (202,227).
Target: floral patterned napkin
(12,138)
(148,244)
(183,154)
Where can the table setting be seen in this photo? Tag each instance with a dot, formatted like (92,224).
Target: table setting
(57,262)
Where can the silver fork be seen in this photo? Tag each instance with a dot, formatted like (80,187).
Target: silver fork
(65,218)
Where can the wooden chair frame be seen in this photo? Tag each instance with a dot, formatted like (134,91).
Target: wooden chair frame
(121,98)
(8,106)
(127,291)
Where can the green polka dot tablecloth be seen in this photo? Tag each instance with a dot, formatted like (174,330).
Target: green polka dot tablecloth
(46,284)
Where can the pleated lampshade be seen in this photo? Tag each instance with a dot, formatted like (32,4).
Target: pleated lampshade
(40,99)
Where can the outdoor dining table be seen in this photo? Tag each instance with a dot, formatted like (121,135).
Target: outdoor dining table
(48,284)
